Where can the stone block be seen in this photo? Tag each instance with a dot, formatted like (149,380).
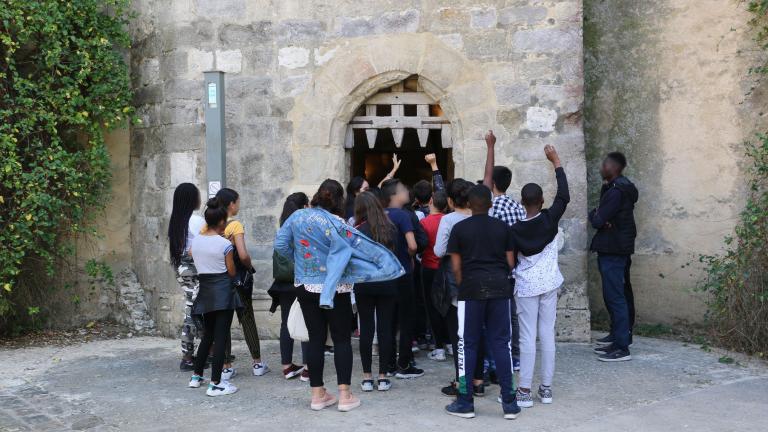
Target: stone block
(406,21)
(573,325)
(487,45)
(573,295)
(229,61)
(293,57)
(180,111)
(236,35)
(181,89)
(354,26)
(513,94)
(482,18)
(199,34)
(449,19)
(280,107)
(148,95)
(263,227)
(453,40)
(149,71)
(173,65)
(575,232)
(180,137)
(197,62)
(545,41)
(299,32)
(540,119)
(522,15)
(259,59)
(294,85)
(183,168)
(232,9)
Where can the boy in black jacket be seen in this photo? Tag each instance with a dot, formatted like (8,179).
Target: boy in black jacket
(482,255)
(537,281)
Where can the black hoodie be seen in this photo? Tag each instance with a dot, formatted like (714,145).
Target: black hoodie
(531,236)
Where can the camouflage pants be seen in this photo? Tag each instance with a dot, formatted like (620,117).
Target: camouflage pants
(186,274)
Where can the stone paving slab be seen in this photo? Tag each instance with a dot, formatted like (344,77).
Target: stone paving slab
(134,385)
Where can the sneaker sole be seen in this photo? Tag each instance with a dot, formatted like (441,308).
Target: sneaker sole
(546,400)
(462,415)
(409,376)
(220,394)
(525,404)
(437,359)
(349,407)
(620,359)
(510,416)
(366,389)
(599,351)
(261,374)
(324,405)
(383,389)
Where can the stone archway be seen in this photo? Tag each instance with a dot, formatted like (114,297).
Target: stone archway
(359,68)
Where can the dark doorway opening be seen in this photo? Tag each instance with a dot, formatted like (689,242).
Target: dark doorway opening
(375,163)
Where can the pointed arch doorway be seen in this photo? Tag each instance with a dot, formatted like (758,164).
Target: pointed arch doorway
(399,120)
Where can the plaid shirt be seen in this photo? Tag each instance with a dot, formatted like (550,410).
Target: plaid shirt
(507,209)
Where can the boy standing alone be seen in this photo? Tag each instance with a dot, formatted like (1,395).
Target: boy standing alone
(482,255)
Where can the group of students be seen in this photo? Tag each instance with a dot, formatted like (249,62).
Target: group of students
(461,266)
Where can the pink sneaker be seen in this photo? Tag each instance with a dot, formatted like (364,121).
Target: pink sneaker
(327,400)
(349,404)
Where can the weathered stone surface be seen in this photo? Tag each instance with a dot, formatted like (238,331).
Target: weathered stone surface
(543,41)
(540,119)
(236,35)
(299,32)
(229,61)
(293,57)
(293,80)
(522,15)
(482,17)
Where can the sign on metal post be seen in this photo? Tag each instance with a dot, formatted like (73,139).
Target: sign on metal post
(215,142)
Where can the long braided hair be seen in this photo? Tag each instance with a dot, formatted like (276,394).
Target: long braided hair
(186,199)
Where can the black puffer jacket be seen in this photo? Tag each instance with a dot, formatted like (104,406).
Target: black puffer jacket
(617,235)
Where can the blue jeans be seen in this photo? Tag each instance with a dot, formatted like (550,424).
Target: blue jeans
(612,270)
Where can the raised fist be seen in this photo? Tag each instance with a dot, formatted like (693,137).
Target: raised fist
(490,138)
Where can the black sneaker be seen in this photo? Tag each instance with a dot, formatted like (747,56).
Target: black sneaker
(492,377)
(392,371)
(478,390)
(450,390)
(603,349)
(607,340)
(410,372)
(616,355)
(187,365)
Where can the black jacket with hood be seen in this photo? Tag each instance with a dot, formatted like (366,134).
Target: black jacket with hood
(614,218)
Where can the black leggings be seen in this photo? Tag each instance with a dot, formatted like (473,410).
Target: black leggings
(452,323)
(436,321)
(376,309)
(286,342)
(217,325)
(404,322)
(318,322)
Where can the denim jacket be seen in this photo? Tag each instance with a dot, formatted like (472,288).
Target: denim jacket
(327,251)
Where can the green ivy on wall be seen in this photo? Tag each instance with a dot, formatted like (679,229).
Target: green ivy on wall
(737,280)
(64,83)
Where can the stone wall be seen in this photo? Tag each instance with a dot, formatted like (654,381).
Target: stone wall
(296,71)
(667,84)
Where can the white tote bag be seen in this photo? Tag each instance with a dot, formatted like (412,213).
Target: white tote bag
(296,325)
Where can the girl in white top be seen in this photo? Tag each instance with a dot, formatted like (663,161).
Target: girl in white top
(184,225)
(216,302)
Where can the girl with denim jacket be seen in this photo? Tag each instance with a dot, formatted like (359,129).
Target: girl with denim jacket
(329,257)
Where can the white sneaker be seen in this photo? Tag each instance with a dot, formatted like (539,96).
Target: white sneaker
(220,389)
(260,369)
(196,381)
(228,373)
(437,355)
(449,349)
(367,385)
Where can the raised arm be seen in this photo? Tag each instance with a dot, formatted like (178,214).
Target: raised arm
(562,197)
(395,166)
(490,141)
(437,180)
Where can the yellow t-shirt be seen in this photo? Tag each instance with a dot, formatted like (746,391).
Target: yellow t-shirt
(233,228)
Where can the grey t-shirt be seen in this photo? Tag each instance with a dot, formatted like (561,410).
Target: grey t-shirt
(209,252)
(444,231)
